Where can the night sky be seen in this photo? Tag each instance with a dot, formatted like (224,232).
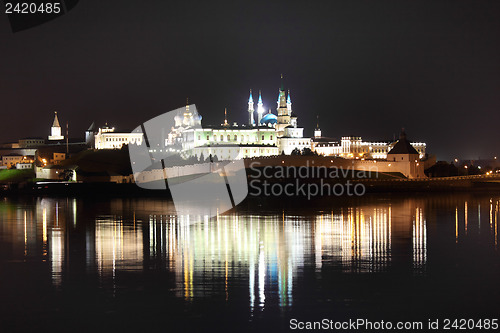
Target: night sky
(367,68)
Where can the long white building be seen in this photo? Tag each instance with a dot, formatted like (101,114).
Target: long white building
(107,138)
(354,147)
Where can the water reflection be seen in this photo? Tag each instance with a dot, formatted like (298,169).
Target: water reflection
(117,246)
(264,253)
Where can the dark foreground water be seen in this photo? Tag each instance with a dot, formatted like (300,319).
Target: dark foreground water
(123,265)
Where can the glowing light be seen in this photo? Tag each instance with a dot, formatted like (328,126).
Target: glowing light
(466,217)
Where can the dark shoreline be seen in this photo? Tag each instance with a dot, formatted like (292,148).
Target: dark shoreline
(111,190)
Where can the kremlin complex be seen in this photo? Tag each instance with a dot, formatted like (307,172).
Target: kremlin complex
(266,134)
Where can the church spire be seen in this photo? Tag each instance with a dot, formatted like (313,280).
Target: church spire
(56,121)
(225,117)
(317,131)
(402,135)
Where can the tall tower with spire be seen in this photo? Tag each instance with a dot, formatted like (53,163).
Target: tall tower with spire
(289,103)
(284,109)
(251,111)
(317,130)
(55,130)
(260,108)
(226,124)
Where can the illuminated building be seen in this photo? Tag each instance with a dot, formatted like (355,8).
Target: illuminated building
(107,138)
(271,135)
(266,134)
(355,147)
(55,130)
(11,159)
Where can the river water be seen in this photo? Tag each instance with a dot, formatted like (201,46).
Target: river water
(95,265)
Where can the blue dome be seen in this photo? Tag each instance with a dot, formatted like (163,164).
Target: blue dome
(269,118)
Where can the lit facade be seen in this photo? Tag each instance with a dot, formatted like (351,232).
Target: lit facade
(266,134)
(12,159)
(55,130)
(355,147)
(270,135)
(107,138)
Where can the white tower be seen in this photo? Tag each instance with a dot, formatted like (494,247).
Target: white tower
(317,130)
(251,121)
(284,108)
(260,109)
(289,103)
(55,130)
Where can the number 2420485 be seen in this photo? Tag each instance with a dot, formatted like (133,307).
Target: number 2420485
(33,8)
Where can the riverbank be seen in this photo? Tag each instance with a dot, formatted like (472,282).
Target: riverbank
(257,186)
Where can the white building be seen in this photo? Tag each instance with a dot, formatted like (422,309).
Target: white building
(55,130)
(355,148)
(18,160)
(107,138)
(271,135)
(23,166)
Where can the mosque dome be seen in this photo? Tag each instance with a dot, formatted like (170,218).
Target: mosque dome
(269,118)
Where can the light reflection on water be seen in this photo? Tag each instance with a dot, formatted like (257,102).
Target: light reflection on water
(265,252)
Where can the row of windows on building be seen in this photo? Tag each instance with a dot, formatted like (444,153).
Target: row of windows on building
(228,137)
(301,143)
(117,139)
(122,139)
(215,152)
(32,141)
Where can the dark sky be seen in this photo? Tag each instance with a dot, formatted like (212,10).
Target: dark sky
(367,68)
